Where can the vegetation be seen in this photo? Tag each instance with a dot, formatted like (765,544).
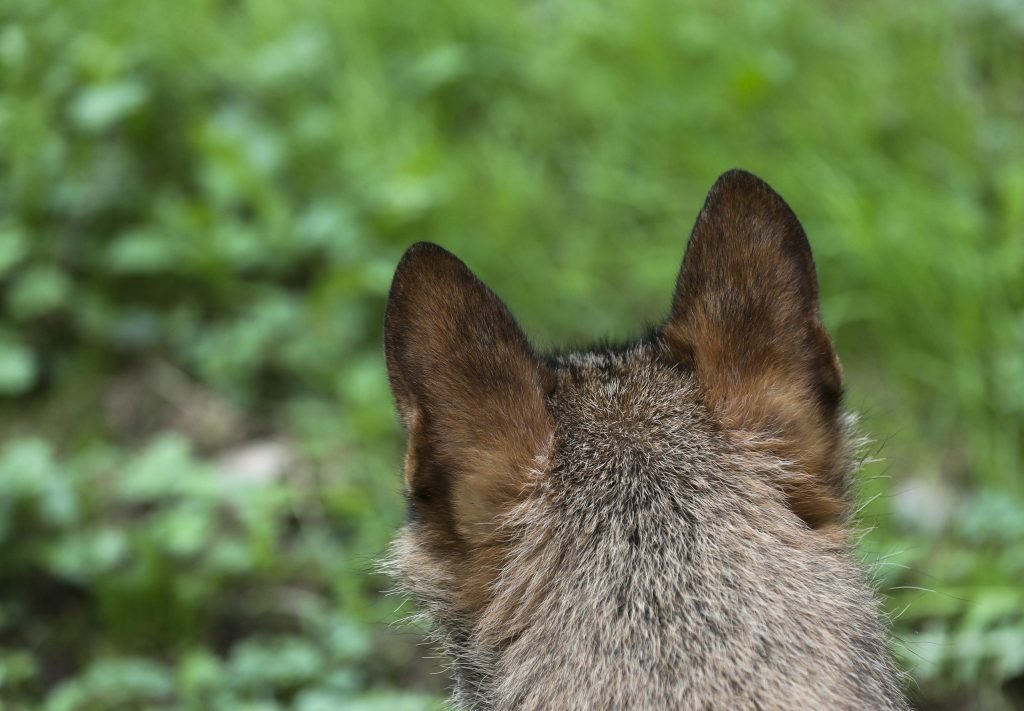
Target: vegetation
(200,210)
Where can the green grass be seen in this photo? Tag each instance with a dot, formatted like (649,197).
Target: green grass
(200,211)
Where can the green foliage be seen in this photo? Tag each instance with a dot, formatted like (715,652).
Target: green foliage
(208,590)
(200,211)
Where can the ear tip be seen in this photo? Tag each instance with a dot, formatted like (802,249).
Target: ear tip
(426,274)
(409,272)
(746,228)
(741,195)
(741,182)
(424,247)
(424,261)
(422,252)
(735,175)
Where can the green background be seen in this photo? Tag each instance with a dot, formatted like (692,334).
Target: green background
(201,206)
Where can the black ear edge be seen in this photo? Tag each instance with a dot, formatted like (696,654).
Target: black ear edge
(412,275)
(421,264)
(741,184)
(419,251)
(738,177)
(435,298)
(744,222)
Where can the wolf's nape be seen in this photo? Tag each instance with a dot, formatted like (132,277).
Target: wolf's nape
(661,525)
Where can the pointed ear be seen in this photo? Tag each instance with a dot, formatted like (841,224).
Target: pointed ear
(468,388)
(746,318)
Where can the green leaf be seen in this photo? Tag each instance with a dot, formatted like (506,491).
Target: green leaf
(141,253)
(18,371)
(13,247)
(30,480)
(16,668)
(275,664)
(199,674)
(165,470)
(87,556)
(38,291)
(185,529)
(99,107)
(113,683)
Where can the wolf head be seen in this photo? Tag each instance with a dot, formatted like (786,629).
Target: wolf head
(661,525)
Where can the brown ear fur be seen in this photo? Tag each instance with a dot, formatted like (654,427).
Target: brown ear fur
(746,317)
(468,389)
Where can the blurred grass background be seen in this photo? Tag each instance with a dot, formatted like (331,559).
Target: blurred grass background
(201,205)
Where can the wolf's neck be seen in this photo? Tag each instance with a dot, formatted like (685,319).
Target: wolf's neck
(676,613)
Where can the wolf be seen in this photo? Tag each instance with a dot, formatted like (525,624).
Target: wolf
(660,525)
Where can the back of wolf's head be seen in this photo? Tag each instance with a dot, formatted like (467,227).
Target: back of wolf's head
(658,525)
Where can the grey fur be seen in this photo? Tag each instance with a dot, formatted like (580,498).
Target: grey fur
(655,565)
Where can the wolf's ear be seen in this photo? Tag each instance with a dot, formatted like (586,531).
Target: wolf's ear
(746,318)
(468,388)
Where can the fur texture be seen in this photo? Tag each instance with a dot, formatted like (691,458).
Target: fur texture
(661,525)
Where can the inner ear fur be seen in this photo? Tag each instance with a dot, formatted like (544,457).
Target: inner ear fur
(468,389)
(746,318)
